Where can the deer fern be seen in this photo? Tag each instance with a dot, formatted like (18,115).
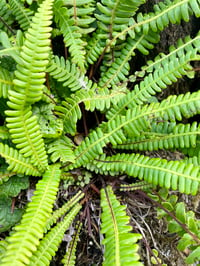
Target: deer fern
(87,109)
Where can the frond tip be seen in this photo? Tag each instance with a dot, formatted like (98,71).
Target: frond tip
(120,244)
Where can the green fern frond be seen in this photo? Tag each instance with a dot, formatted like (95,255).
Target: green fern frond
(81,12)
(26,134)
(17,163)
(120,244)
(169,174)
(23,15)
(5,82)
(100,99)
(50,242)
(61,148)
(26,237)
(151,24)
(164,136)
(171,109)
(115,14)
(112,16)
(95,47)
(164,13)
(29,86)
(6,17)
(71,34)
(135,121)
(57,214)
(171,69)
(30,73)
(70,257)
(168,12)
(182,47)
(119,69)
(66,72)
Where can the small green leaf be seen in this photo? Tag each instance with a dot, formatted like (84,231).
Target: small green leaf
(180,212)
(14,185)
(185,241)
(173,227)
(8,218)
(194,256)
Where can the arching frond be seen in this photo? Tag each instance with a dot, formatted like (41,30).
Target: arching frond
(17,163)
(164,136)
(27,234)
(120,244)
(30,73)
(28,88)
(72,35)
(164,13)
(66,72)
(70,257)
(169,174)
(134,122)
(172,68)
(112,16)
(22,14)
(25,133)
(57,214)
(95,47)
(119,69)
(50,242)
(178,50)
(100,99)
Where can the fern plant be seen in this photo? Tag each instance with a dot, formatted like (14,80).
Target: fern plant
(48,95)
